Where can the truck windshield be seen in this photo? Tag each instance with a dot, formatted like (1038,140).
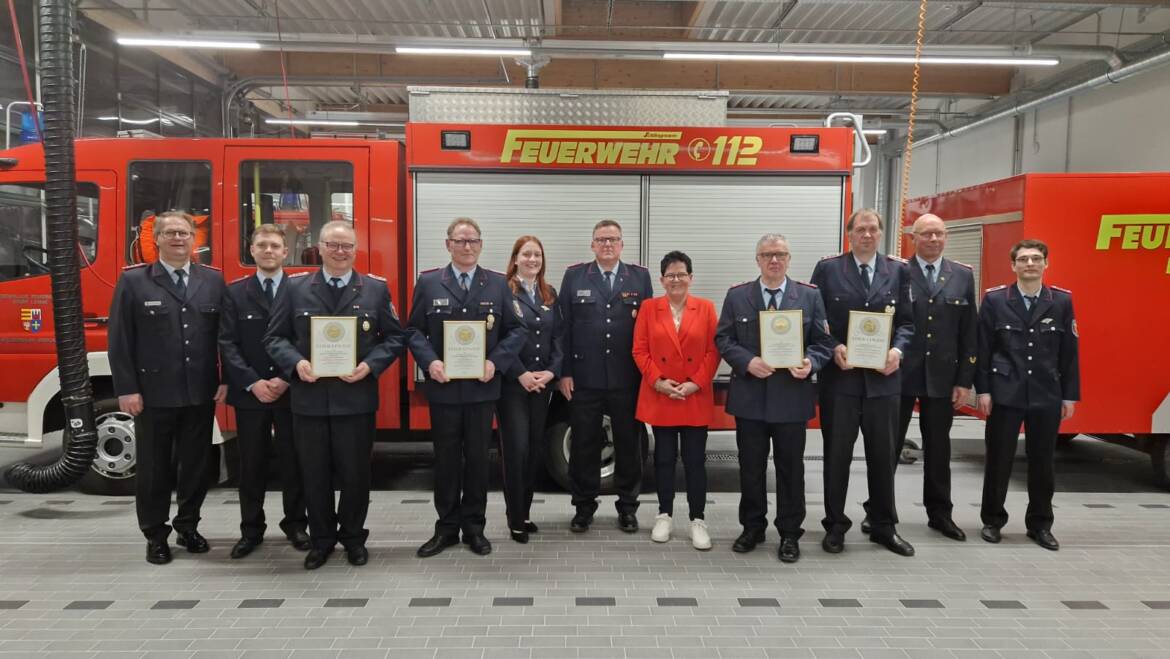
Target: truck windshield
(297,196)
(160,186)
(23,247)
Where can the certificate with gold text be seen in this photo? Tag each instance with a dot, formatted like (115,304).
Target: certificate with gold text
(464,348)
(868,341)
(782,338)
(333,345)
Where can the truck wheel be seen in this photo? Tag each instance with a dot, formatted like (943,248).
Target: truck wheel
(114,464)
(560,438)
(1064,440)
(1160,460)
(911,451)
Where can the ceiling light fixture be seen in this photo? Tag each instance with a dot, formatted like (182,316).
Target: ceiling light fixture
(489,52)
(184,42)
(327,122)
(862,59)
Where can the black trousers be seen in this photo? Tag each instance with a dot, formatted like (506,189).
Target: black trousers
(334,453)
(264,433)
(753,439)
(1001,437)
(522,416)
(585,412)
(174,453)
(877,420)
(461,434)
(694,457)
(935,417)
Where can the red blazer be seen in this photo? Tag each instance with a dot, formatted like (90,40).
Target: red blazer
(688,354)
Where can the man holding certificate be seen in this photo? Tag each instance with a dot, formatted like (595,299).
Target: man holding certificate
(772,332)
(331,336)
(469,330)
(869,315)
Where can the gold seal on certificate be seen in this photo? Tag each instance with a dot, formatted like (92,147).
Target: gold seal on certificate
(464,348)
(782,338)
(333,345)
(868,341)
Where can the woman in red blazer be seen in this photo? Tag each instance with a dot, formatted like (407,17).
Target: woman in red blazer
(674,347)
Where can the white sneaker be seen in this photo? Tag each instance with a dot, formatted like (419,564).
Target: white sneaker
(662,526)
(700,539)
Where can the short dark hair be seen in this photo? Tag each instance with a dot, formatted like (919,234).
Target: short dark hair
(675,257)
(1029,243)
(864,211)
(607,223)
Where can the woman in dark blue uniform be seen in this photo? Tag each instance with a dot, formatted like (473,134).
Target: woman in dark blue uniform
(527,385)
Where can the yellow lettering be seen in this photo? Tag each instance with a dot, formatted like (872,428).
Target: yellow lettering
(565,155)
(667,153)
(548,152)
(629,153)
(1129,237)
(648,154)
(585,151)
(511,143)
(1152,236)
(607,152)
(530,152)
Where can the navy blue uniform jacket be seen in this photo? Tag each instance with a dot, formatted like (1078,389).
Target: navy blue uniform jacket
(599,327)
(942,352)
(242,324)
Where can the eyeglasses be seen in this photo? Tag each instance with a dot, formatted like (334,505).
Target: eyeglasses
(677,276)
(176,233)
(773,256)
(1029,259)
(606,240)
(339,247)
(465,242)
(868,231)
(927,235)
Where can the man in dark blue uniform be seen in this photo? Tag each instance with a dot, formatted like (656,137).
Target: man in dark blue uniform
(1028,372)
(162,347)
(599,303)
(939,366)
(862,399)
(771,406)
(461,409)
(259,395)
(334,417)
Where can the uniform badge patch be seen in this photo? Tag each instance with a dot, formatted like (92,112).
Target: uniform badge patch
(889,308)
(1046,321)
(1074,329)
(491,321)
(365,325)
(516,306)
(393,311)
(971,359)
(633,313)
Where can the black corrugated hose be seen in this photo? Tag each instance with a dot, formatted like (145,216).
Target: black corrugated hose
(57,22)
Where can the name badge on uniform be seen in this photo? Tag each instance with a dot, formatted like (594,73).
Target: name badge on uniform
(585,293)
(441,302)
(152,303)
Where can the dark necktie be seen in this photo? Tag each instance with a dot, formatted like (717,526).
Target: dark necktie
(930,274)
(1030,303)
(335,289)
(181,283)
(464,282)
(609,283)
(865,275)
(269,289)
(772,298)
(531,294)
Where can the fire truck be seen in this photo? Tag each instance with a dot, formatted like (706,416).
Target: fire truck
(693,185)
(1109,241)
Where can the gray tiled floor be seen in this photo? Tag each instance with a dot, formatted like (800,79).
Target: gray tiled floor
(601,594)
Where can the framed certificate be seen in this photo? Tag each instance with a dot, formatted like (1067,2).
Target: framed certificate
(464,348)
(333,343)
(868,342)
(782,338)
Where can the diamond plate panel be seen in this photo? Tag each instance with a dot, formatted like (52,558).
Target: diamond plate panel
(474,105)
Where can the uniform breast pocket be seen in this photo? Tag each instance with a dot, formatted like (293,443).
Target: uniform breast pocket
(958,304)
(209,313)
(1009,332)
(747,330)
(301,320)
(584,308)
(1001,365)
(1051,336)
(155,316)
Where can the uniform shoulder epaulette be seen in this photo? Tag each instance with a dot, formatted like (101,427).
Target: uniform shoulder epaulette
(209,267)
(373,276)
(428,270)
(899,259)
(239,279)
(1062,290)
(829,256)
(578,265)
(494,272)
(135,266)
(805,283)
(743,283)
(639,266)
(962,264)
(995,288)
(298,274)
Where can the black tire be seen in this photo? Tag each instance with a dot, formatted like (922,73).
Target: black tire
(1160,460)
(911,451)
(559,438)
(113,468)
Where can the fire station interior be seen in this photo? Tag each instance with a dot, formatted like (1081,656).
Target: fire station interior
(1012,120)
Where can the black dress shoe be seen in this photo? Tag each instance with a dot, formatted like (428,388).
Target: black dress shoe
(1045,539)
(436,545)
(627,522)
(195,543)
(529,527)
(894,543)
(947,527)
(357,555)
(747,541)
(580,523)
(158,552)
(245,546)
(866,527)
(316,558)
(519,536)
(789,550)
(299,540)
(834,543)
(990,534)
(478,544)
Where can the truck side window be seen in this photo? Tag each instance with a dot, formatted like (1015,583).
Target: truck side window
(160,186)
(23,246)
(297,195)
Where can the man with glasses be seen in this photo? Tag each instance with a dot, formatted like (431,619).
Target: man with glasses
(1028,372)
(771,406)
(164,360)
(462,409)
(259,395)
(334,417)
(864,399)
(939,365)
(599,302)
